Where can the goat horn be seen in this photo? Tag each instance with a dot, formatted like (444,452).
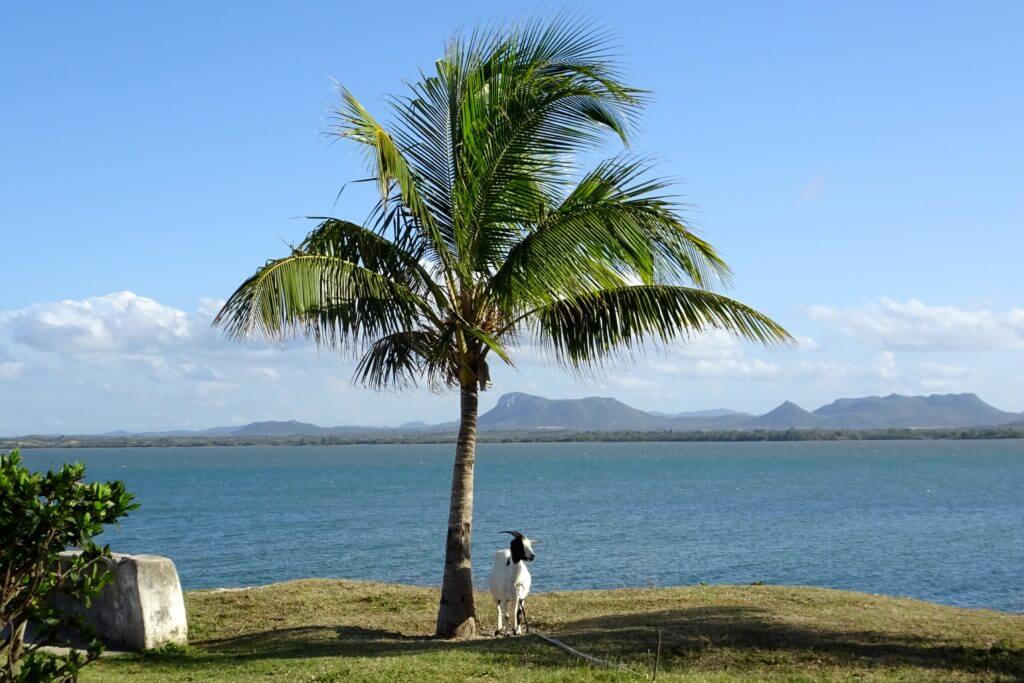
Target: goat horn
(517,534)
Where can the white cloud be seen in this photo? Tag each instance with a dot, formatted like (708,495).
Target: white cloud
(124,361)
(823,370)
(805,343)
(270,373)
(208,307)
(885,366)
(916,326)
(124,357)
(951,371)
(10,369)
(946,377)
(750,368)
(632,383)
(715,354)
(115,322)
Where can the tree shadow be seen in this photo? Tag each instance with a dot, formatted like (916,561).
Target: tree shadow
(349,641)
(317,641)
(687,633)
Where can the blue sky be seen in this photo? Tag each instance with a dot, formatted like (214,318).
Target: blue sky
(859,165)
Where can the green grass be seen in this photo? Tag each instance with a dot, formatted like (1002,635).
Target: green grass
(326,630)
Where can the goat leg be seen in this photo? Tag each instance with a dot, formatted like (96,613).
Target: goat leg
(522,614)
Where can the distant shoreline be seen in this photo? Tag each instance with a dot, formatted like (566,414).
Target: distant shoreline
(942,434)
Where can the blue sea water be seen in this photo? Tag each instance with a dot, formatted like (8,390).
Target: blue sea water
(938,520)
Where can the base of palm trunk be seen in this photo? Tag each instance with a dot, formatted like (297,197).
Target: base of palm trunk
(456,613)
(457,629)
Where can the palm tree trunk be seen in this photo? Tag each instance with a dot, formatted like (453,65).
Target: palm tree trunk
(456,617)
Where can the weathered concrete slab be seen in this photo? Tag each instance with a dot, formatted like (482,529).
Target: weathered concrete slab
(141,608)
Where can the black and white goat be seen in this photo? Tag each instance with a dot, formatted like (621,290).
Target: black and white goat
(510,583)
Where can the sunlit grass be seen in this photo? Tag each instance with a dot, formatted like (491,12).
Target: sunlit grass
(327,630)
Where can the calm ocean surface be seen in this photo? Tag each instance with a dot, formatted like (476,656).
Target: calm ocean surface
(939,520)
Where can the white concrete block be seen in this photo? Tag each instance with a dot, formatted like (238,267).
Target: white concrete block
(141,608)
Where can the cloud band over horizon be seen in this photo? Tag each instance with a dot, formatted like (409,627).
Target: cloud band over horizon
(125,361)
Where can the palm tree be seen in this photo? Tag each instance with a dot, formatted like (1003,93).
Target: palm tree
(487,234)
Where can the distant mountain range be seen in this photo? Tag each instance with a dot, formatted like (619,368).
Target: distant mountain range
(525,412)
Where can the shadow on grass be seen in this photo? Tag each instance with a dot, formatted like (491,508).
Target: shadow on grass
(693,637)
(306,642)
(688,634)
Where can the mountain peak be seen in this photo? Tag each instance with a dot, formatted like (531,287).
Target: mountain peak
(279,428)
(785,416)
(787,408)
(513,396)
(517,411)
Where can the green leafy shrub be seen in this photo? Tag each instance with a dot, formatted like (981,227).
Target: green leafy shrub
(42,515)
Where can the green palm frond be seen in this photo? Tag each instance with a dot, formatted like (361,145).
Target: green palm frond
(325,298)
(486,228)
(614,228)
(359,245)
(488,342)
(552,95)
(391,167)
(587,330)
(623,185)
(399,360)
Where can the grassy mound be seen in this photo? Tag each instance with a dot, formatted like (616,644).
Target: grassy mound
(327,630)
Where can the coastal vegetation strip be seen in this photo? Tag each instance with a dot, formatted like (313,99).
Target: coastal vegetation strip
(520,436)
(332,630)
